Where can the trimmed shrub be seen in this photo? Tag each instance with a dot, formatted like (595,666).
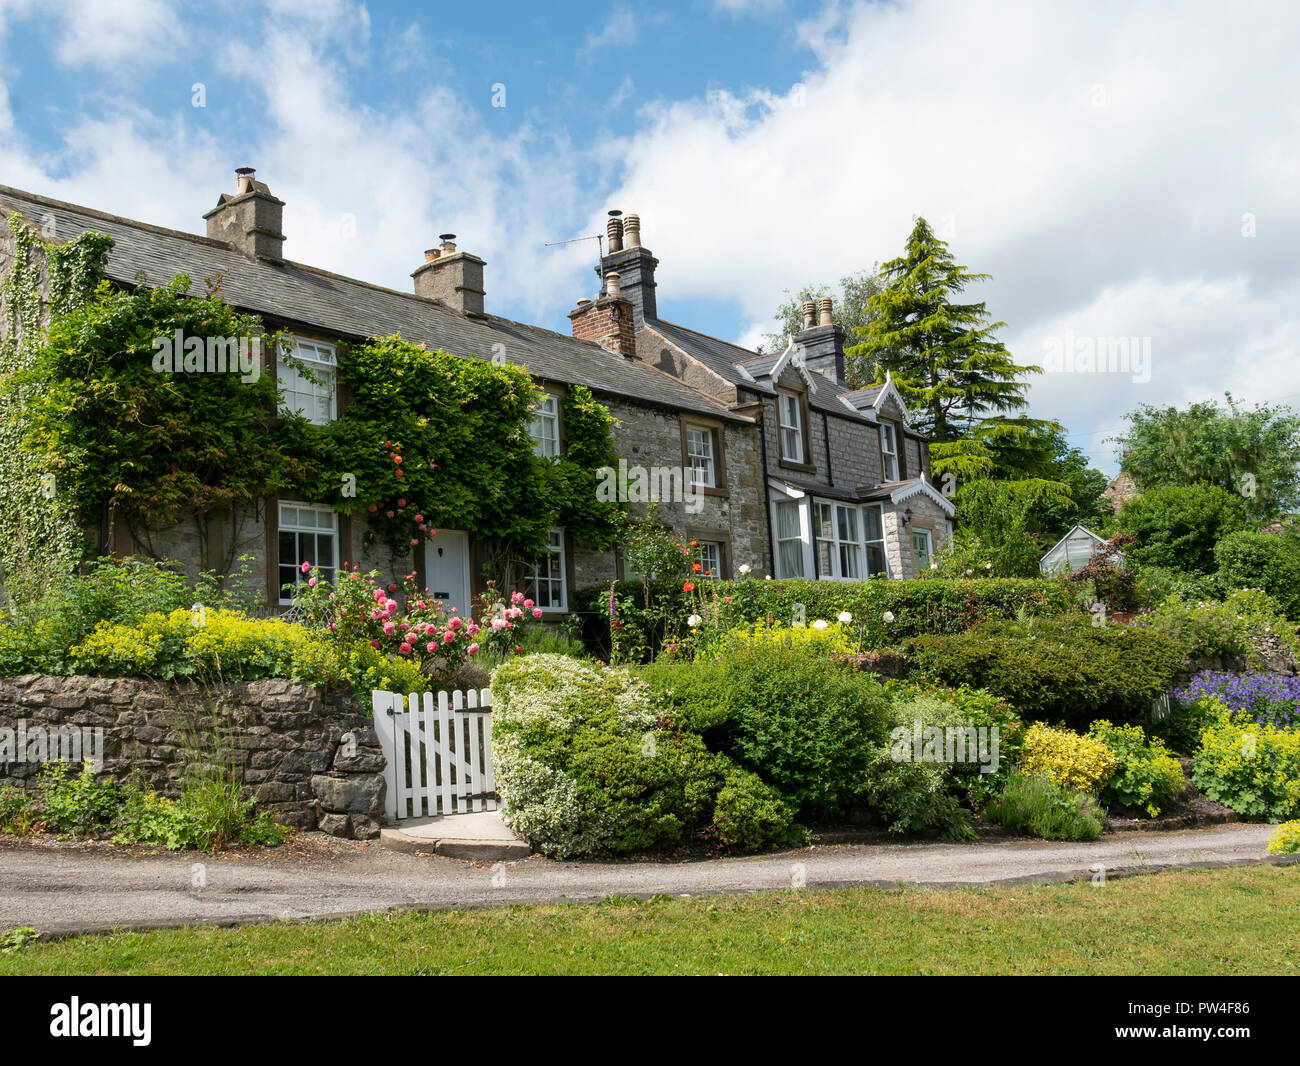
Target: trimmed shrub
(1055,669)
(585,765)
(917,607)
(750,814)
(1155,584)
(803,722)
(1252,768)
(1041,808)
(1074,762)
(1147,775)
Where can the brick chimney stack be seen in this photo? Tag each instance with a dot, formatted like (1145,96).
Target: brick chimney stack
(608,319)
(251,221)
(451,277)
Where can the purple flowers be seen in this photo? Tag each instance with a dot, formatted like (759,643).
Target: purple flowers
(1272,698)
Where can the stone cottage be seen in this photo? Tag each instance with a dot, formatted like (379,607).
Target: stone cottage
(788,471)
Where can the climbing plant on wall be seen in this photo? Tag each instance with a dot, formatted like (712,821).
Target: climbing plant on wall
(125,409)
(40,530)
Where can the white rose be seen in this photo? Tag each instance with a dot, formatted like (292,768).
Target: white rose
(934,566)
(745,568)
(888,616)
(819,624)
(844,617)
(694,620)
(988,566)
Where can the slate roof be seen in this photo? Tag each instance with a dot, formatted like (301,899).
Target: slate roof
(334,305)
(726,360)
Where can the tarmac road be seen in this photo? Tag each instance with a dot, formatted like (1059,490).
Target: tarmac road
(61,888)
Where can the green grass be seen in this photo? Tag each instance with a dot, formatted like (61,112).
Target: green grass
(1232,921)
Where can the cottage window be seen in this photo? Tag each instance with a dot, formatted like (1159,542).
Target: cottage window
(791,428)
(700,457)
(306,372)
(308,533)
(545,427)
(889,451)
(789,540)
(544,581)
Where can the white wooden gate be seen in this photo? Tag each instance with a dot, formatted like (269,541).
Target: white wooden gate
(439,752)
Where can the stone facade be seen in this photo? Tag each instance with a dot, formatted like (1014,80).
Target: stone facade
(311,757)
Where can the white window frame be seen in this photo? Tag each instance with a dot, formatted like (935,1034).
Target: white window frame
(703,464)
(788,404)
(800,506)
(883,542)
(841,546)
(545,427)
(533,579)
(318,403)
(713,568)
(929,549)
(889,452)
(299,528)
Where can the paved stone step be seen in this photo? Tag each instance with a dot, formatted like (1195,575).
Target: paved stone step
(482,835)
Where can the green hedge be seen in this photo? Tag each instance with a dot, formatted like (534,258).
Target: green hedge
(918,607)
(1056,669)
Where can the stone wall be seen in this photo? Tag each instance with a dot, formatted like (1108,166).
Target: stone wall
(311,757)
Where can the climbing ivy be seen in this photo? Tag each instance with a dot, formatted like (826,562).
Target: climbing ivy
(428,440)
(41,534)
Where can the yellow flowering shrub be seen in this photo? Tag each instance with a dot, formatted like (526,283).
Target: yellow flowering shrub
(224,644)
(1082,764)
(828,637)
(1252,767)
(1285,839)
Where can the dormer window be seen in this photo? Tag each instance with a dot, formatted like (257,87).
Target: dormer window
(889,451)
(791,419)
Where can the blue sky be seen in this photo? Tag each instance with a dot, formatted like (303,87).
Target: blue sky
(1122,169)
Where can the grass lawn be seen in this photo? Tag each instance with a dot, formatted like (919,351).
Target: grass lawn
(1233,921)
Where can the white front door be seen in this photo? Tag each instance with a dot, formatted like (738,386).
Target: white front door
(446,562)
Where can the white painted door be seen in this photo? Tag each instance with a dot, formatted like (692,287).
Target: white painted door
(446,561)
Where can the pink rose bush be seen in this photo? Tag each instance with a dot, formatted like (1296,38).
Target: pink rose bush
(419,628)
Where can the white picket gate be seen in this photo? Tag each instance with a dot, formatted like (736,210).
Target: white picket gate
(439,752)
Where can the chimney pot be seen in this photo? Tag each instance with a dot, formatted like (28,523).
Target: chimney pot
(632,231)
(611,283)
(809,314)
(614,231)
(430,254)
(244,179)
(824,308)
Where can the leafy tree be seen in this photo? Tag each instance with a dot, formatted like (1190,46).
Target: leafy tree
(1250,453)
(1178,526)
(1041,450)
(999,531)
(852,312)
(942,354)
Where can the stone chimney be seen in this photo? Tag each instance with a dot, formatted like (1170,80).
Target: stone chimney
(634,265)
(822,344)
(251,221)
(608,319)
(451,277)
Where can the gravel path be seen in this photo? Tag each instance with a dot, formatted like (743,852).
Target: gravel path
(60,888)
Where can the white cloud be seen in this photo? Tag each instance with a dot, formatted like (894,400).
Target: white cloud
(111,33)
(1097,161)
(619,31)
